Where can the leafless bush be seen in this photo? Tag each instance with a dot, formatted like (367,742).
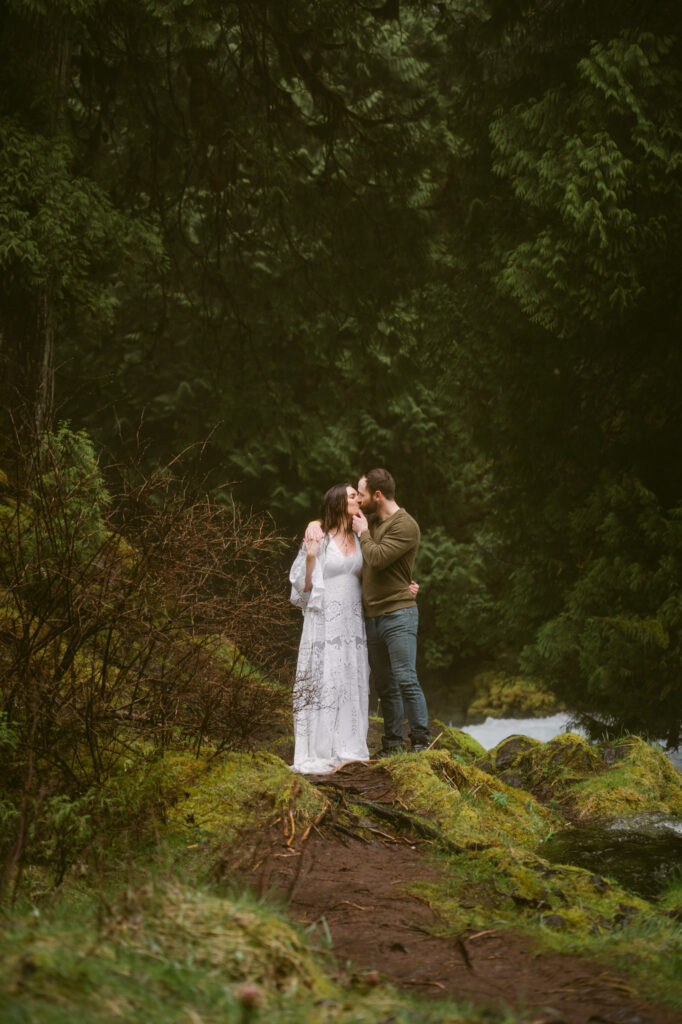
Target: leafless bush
(127,623)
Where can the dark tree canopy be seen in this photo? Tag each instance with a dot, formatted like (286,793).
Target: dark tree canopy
(443,237)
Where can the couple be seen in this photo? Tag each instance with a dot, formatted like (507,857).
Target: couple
(346,566)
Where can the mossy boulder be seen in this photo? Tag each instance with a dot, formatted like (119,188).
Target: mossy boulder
(551,769)
(591,782)
(641,779)
(513,752)
(468,806)
(567,757)
(502,696)
(460,744)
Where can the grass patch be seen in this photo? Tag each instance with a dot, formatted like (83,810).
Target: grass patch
(173,954)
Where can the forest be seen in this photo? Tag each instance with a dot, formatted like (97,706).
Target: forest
(293,241)
(312,238)
(253,248)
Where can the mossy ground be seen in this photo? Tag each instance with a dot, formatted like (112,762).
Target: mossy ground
(221,797)
(504,883)
(177,946)
(166,952)
(469,806)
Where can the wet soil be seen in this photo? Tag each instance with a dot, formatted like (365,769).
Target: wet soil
(353,890)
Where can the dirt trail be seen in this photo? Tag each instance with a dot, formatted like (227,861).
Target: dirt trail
(355,890)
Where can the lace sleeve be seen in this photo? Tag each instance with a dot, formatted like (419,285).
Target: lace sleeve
(313,599)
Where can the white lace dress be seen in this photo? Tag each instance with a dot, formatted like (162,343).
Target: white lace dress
(331,693)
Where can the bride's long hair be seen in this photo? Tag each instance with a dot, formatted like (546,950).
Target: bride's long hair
(335,509)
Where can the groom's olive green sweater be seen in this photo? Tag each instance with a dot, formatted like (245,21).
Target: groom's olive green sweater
(389,549)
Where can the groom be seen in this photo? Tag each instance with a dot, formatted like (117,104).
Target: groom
(389,542)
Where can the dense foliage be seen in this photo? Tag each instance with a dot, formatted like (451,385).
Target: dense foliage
(442,237)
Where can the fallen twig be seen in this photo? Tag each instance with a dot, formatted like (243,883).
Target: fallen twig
(433,742)
(316,821)
(436,983)
(292,804)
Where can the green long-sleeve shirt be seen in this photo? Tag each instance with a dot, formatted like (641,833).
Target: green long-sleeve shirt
(389,549)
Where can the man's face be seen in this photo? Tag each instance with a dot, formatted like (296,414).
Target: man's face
(367,500)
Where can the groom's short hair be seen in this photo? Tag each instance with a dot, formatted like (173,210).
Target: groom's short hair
(380,480)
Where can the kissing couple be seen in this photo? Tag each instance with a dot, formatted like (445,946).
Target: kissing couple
(352,578)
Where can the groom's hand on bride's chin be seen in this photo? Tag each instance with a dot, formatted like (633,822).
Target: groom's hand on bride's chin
(360,524)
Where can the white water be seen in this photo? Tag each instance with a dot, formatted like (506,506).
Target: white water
(494,730)
(646,823)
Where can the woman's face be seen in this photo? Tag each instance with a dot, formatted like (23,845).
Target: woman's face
(352,501)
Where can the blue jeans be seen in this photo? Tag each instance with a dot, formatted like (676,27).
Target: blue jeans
(392,650)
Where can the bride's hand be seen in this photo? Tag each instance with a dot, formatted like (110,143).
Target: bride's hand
(313,531)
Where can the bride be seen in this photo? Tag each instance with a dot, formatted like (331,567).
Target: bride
(331,693)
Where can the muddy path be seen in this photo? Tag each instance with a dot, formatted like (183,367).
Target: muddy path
(350,883)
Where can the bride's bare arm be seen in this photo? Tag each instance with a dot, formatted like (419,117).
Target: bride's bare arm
(312,548)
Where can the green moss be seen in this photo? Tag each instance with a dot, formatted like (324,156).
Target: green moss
(642,779)
(590,781)
(568,755)
(515,888)
(501,696)
(510,753)
(217,799)
(460,744)
(552,769)
(466,804)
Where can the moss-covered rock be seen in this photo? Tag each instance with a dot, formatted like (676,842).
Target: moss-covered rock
(641,779)
(468,806)
(502,696)
(590,782)
(511,752)
(460,744)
